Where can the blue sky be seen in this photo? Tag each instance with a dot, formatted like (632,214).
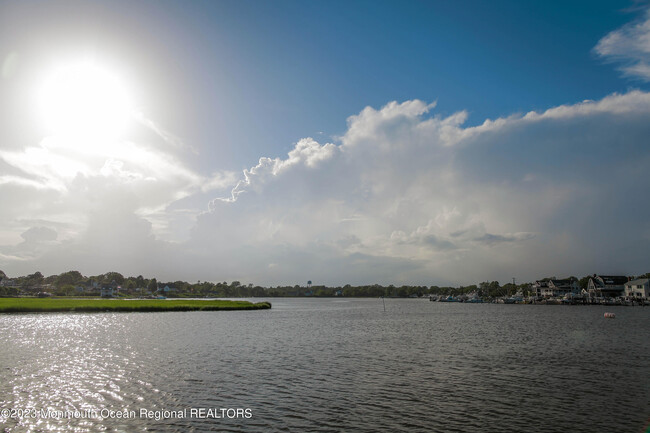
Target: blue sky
(299,68)
(310,85)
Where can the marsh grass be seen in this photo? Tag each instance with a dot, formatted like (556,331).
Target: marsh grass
(42,305)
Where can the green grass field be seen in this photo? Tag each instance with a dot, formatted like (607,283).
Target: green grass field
(41,305)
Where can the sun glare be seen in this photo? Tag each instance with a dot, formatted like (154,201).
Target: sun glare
(84,101)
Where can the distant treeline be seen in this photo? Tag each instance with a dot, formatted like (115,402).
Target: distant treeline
(73,283)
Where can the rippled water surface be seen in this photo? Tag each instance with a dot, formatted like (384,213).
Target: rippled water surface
(331,365)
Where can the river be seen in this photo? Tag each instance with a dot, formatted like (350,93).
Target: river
(329,365)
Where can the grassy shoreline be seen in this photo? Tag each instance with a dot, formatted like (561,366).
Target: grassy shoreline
(45,305)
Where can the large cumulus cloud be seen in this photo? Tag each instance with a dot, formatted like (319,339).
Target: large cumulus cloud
(409,196)
(404,196)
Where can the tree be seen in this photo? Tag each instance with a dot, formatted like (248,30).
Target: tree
(109,277)
(70,277)
(509,289)
(8,291)
(153,285)
(34,279)
(65,290)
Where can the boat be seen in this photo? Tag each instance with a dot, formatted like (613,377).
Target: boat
(474,301)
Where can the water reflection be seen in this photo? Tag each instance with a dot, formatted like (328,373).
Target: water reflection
(327,365)
(69,363)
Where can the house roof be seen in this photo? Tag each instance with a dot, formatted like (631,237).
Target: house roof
(561,282)
(637,282)
(613,280)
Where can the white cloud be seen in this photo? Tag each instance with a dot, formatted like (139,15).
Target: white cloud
(307,152)
(220,181)
(39,234)
(526,195)
(629,45)
(166,136)
(68,182)
(406,196)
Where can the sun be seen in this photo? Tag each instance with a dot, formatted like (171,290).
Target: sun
(84,100)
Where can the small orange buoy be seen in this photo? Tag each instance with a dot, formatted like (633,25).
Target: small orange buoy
(610,315)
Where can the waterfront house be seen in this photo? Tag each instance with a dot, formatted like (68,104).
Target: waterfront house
(610,286)
(639,288)
(541,289)
(555,288)
(563,287)
(110,290)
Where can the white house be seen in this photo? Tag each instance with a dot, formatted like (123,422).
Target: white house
(639,288)
(555,287)
(541,288)
(563,287)
(607,285)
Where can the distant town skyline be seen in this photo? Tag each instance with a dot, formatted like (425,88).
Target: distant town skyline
(426,143)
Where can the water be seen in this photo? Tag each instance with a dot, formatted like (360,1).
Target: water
(331,365)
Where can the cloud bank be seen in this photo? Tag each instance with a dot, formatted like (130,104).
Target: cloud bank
(404,196)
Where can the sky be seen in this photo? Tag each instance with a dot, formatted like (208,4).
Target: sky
(276,142)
